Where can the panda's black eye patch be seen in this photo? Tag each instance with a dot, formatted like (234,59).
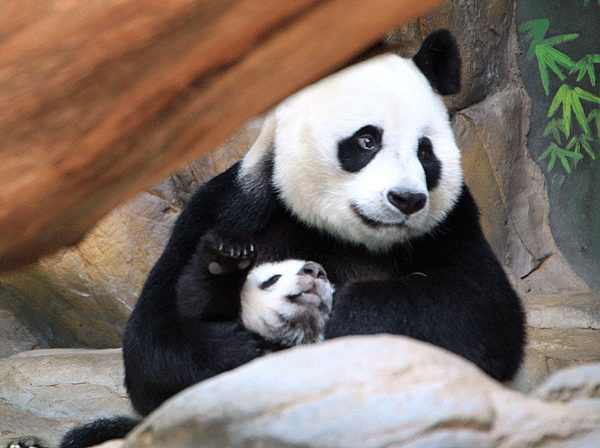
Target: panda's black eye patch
(270,282)
(355,152)
(431,164)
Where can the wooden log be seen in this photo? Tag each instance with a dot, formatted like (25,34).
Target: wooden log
(100,100)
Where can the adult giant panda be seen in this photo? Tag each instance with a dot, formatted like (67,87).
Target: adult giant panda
(360,173)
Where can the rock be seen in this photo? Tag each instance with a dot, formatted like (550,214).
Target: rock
(14,336)
(45,392)
(509,189)
(365,392)
(570,384)
(563,330)
(82,296)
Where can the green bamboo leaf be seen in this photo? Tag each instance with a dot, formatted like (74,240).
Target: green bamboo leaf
(560,39)
(555,127)
(587,145)
(552,161)
(586,65)
(558,99)
(585,95)
(565,163)
(549,57)
(571,103)
(576,144)
(544,75)
(579,112)
(554,151)
(551,62)
(537,31)
(595,115)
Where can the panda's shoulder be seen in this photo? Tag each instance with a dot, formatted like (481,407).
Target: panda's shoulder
(225,200)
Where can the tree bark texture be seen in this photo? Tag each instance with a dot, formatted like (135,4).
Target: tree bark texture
(100,99)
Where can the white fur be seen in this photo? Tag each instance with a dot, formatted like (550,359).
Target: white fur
(270,313)
(389,92)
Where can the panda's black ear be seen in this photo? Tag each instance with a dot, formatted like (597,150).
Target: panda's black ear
(439,60)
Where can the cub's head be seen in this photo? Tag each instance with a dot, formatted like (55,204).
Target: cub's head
(368,154)
(287,302)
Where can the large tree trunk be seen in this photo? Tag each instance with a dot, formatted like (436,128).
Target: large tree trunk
(101,99)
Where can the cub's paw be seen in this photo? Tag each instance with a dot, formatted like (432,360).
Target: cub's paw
(226,251)
(287,302)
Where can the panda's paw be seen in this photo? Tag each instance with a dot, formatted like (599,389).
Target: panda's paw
(28,442)
(227,251)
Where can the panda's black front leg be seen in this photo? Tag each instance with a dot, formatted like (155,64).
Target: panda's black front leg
(210,285)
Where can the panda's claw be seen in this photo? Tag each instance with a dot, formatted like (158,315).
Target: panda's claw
(230,251)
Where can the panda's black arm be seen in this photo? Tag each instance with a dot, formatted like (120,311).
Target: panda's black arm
(164,351)
(469,310)
(456,296)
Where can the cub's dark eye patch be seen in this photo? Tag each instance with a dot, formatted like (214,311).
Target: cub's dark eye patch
(355,152)
(270,282)
(430,163)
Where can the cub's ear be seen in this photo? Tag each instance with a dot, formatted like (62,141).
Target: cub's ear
(439,60)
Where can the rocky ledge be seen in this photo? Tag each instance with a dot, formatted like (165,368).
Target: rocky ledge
(376,391)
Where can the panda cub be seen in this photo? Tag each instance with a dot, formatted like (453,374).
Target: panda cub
(285,302)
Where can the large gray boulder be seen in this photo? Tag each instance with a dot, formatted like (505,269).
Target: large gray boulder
(364,392)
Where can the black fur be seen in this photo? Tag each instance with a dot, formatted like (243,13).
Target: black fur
(98,431)
(430,163)
(439,60)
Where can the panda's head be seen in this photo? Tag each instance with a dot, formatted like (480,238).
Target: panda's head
(368,153)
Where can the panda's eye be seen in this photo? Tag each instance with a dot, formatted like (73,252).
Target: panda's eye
(270,282)
(367,142)
(356,151)
(425,150)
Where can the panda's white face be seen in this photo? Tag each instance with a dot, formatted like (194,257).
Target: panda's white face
(367,154)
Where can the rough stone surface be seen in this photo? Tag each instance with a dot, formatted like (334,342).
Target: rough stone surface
(563,330)
(406,390)
(45,392)
(363,392)
(14,336)
(570,384)
(509,188)
(82,296)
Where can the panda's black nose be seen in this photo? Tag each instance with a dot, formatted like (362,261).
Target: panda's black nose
(313,269)
(408,203)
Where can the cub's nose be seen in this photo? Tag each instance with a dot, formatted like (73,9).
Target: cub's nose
(408,203)
(313,269)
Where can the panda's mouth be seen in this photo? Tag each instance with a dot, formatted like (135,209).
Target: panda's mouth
(372,222)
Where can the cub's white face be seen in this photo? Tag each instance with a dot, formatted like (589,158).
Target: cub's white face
(287,302)
(366,154)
